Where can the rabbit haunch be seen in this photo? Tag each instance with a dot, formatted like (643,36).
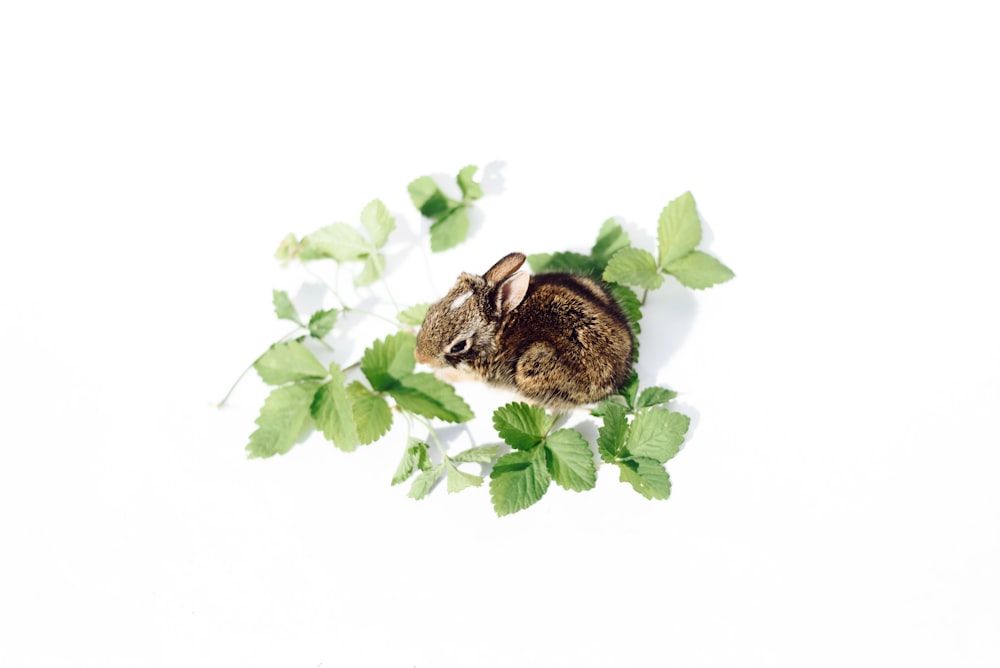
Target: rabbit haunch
(559,340)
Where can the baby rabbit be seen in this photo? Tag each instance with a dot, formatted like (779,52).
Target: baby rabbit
(559,340)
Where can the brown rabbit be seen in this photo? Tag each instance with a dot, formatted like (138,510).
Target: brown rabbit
(559,340)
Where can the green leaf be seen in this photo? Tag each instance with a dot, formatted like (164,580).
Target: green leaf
(372,415)
(424,482)
(611,436)
(415,453)
(646,476)
(287,362)
(483,454)
(333,413)
(339,241)
(570,460)
(450,230)
(283,307)
(521,425)
(679,229)
(414,315)
(373,269)
(699,270)
(573,263)
(429,199)
(634,266)
(378,222)
(654,396)
(322,322)
(657,434)
(423,394)
(470,189)
(388,360)
(629,390)
(611,239)
(288,249)
(283,419)
(459,480)
(518,480)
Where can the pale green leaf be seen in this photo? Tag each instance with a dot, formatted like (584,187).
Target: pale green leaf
(646,476)
(414,315)
(283,419)
(333,413)
(483,454)
(339,241)
(283,307)
(287,362)
(378,222)
(428,198)
(288,249)
(611,239)
(372,415)
(459,480)
(518,480)
(424,482)
(322,322)
(699,270)
(413,456)
(634,266)
(611,435)
(470,189)
(657,434)
(388,360)
(371,270)
(570,460)
(521,425)
(423,394)
(679,229)
(450,230)
(654,396)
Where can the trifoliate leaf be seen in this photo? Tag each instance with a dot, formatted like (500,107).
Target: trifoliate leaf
(611,435)
(287,362)
(378,222)
(283,419)
(520,425)
(388,360)
(699,270)
(483,454)
(414,315)
(372,415)
(518,480)
(429,199)
(283,307)
(470,189)
(646,476)
(657,434)
(570,460)
(450,230)
(371,271)
(424,482)
(339,241)
(654,396)
(634,266)
(573,263)
(423,394)
(611,239)
(333,413)
(459,480)
(321,322)
(679,229)
(412,457)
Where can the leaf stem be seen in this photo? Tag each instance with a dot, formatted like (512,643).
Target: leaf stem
(247,370)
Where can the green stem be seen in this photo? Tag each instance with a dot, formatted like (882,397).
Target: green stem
(434,436)
(247,370)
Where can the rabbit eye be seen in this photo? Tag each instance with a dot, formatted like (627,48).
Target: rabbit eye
(459,347)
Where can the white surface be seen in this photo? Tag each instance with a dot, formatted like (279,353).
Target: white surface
(837,503)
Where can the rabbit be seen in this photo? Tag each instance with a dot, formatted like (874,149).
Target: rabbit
(559,340)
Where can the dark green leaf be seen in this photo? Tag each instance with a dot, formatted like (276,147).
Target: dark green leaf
(611,239)
(657,434)
(287,362)
(573,263)
(429,199)
(518,480)
(570,460)
(611,435)
(322,322)
(423,394)
(388,360)
(520,425)
(333,413)
(283,419)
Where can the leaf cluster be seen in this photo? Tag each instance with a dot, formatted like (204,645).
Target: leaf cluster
(449,217)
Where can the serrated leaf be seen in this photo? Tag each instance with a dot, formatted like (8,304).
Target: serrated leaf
(518,480)
(459,480)
(322,322)
(415,452)
(483,454)
(423,394)
(283,307)
(331,409)
(657,434)
(339,241)
(470,189)
(389,359)
(424,483)
(611,239)
(428,198)
(450,230)
(678,230)
(634,266)
(378,222)
(521,425)
(573,263)
(570,460)
(654,396)
(699,270)
(372,415)
(283,419)
(629,389)
(414,315)
(288,362)
(371,271)
(611,435)
(646,476)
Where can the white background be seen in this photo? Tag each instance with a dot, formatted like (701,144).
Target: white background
(837,501)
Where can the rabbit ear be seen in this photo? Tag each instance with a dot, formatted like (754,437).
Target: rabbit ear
(512,292)
(503,269)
